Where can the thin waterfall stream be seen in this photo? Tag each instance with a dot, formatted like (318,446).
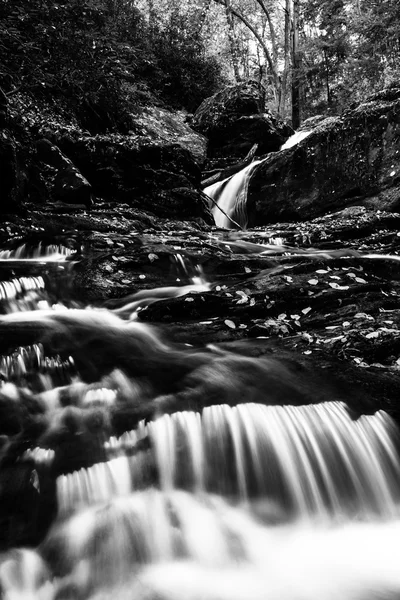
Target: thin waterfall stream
(149,485)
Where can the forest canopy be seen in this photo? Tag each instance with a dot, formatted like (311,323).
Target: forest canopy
(105,58)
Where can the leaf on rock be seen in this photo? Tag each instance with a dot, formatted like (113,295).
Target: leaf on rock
(336,286)
(230,324)
(243,298)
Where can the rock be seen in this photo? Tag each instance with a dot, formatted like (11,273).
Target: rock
(139,172)
(11,177)
(3,108)
(165,127)
(347,160)
(234,120)
(70,185)
(185,204)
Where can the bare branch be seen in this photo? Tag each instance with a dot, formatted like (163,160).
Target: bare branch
(247,23)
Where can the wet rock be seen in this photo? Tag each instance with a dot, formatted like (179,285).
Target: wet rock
(234,120)
(186,204)
(347,160)
(69,184)
(11,176)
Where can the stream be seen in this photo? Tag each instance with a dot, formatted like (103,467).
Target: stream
(136,467)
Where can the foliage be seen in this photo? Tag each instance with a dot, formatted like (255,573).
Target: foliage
(99,57)
(102,59)
(351,49)
(183,65)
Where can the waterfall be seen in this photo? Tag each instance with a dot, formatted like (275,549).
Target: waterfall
(231,197)
(306,461)
(295,139)
(231,193)
(224,500)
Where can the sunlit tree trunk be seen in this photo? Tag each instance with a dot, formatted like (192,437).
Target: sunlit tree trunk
(286,52)
(232,41)
(296,67)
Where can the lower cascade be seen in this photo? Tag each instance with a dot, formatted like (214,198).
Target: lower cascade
(153,490)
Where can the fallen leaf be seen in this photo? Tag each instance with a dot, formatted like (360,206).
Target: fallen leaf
(336,286)
(372,335)
(243,298)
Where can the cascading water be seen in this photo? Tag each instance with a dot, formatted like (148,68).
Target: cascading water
(210,502)
(231,197)
(230,194)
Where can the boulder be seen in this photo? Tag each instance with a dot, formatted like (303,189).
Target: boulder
(165,127)
(234,120)
(139,171)
(69,184)
(345,161)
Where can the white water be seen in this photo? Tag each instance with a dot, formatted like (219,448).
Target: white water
(307,461)
(39,253)
(295,139)
(231,198)
(231,194)
(250,502)
(158,546)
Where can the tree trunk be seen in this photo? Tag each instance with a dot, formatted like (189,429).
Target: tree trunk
(286,67)
(296,70)
(232,41)
(328,92)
